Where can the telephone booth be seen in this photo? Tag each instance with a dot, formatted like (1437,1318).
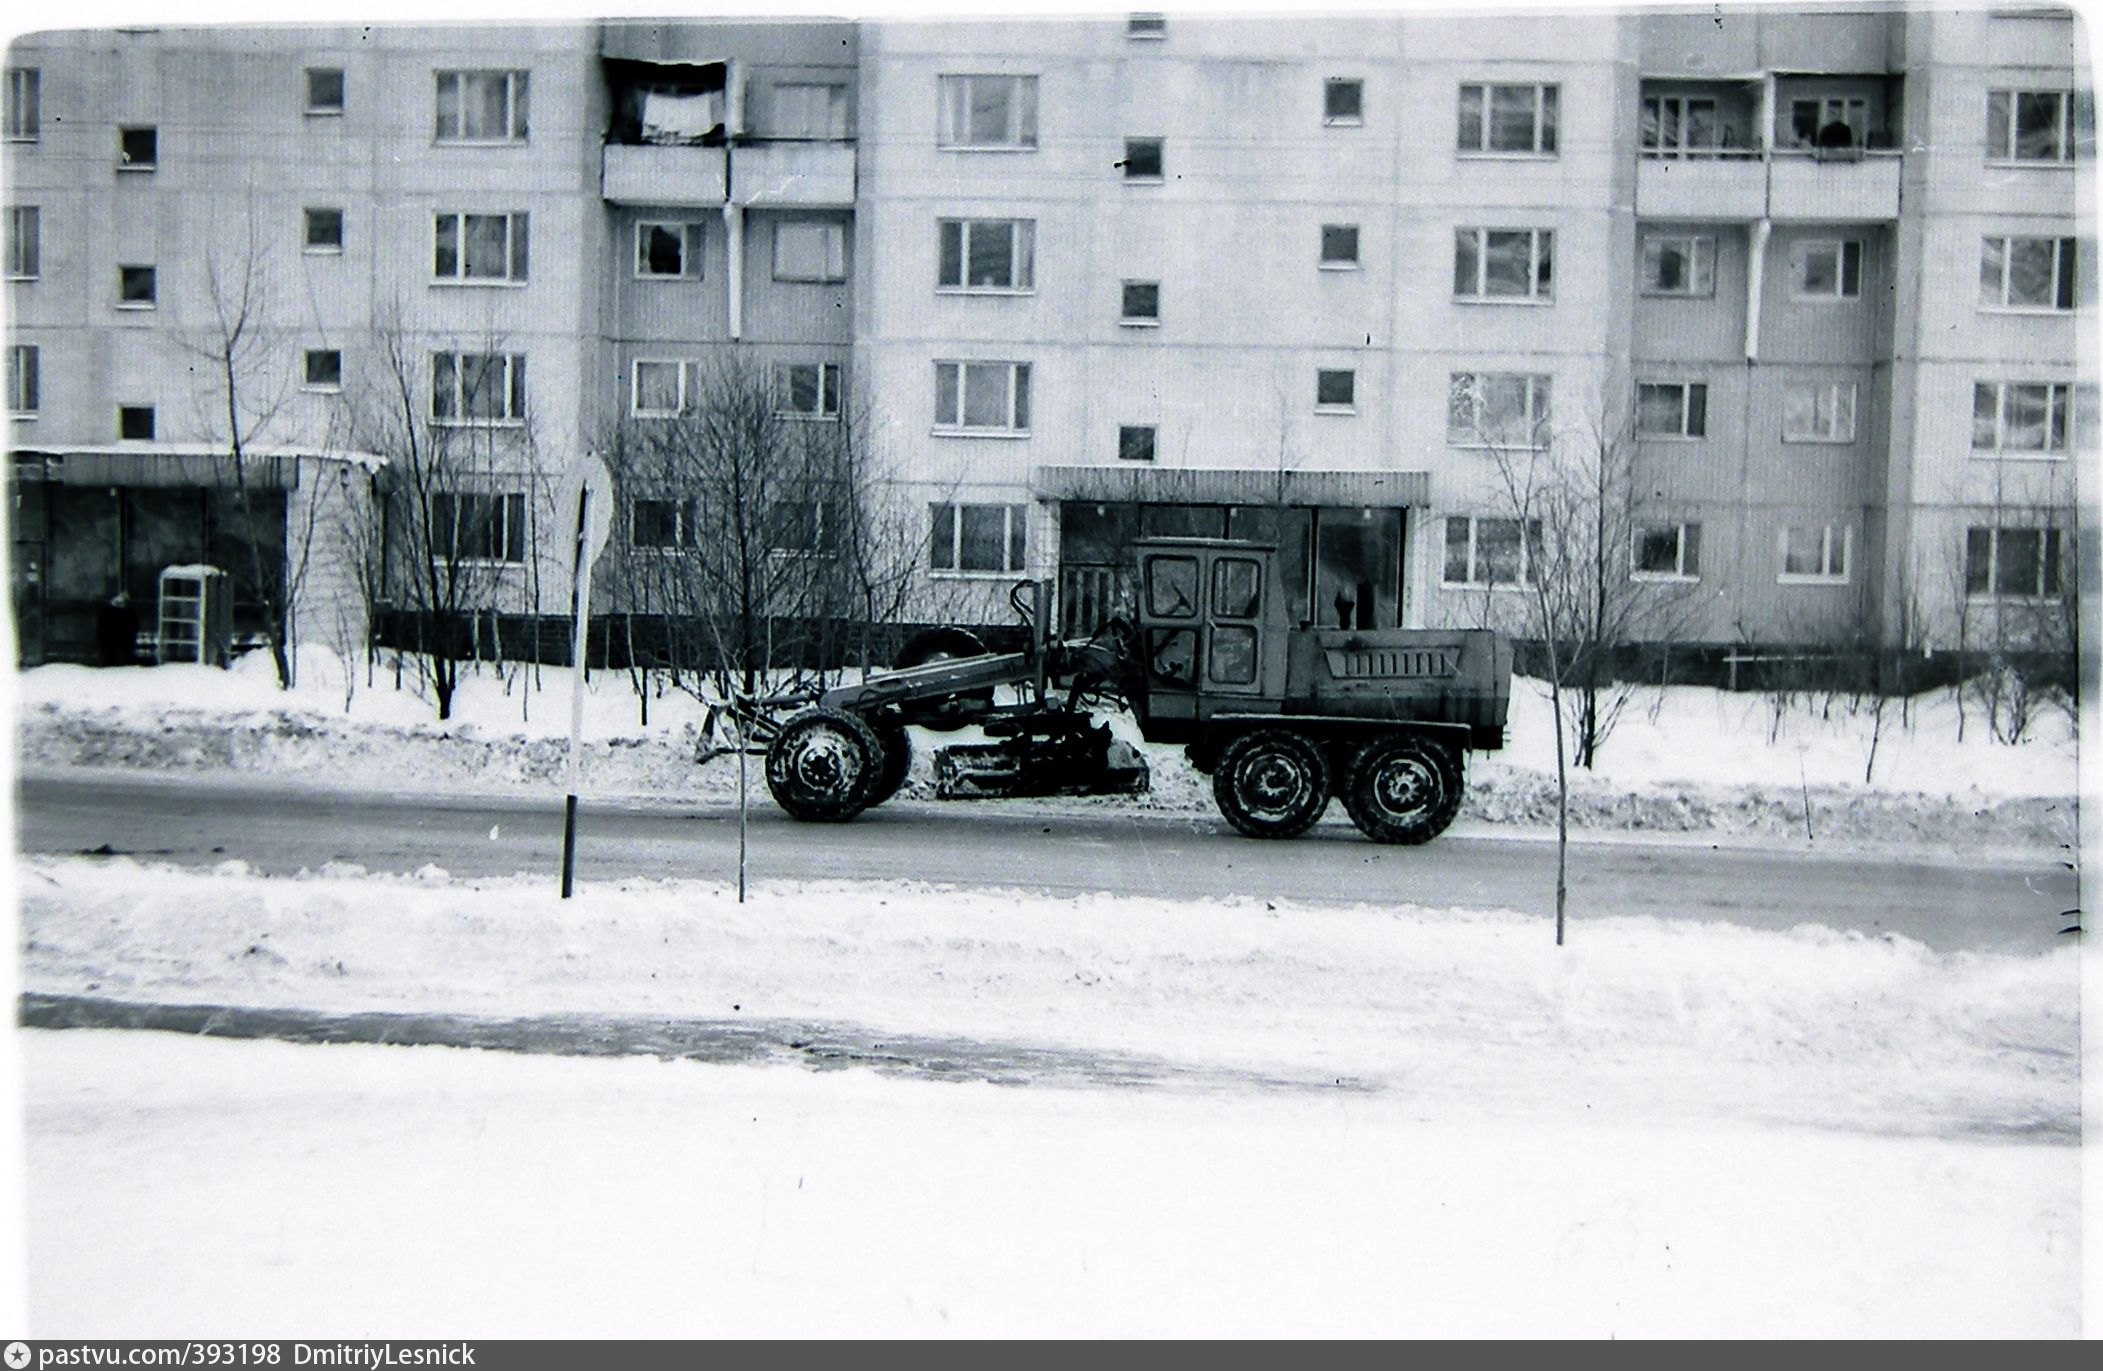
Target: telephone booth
(196,619)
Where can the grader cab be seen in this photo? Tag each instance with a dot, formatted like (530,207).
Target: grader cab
(1282,715)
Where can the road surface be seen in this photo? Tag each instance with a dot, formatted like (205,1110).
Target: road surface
(1995,902)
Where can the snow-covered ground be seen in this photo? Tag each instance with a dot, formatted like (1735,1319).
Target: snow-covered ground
(1401,1121)
(1658,1129)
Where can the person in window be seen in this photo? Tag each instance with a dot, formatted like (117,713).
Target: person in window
(1836,136)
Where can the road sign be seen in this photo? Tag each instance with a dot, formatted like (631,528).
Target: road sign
(584,504)
(594,521)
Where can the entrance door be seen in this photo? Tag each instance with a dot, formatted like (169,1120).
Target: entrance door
(1358,568)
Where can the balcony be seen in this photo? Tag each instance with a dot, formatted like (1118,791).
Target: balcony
(1804,188)
(1726,186)
(1787,186)
(687,176)
(806,175)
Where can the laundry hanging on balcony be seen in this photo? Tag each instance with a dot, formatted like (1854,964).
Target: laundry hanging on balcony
(681,119)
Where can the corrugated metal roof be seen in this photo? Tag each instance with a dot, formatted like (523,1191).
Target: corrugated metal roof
(196,465)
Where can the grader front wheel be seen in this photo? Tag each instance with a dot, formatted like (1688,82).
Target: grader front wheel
(1271,784)
(823,766)
(1403,789)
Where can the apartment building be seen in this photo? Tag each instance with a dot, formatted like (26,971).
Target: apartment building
(1825,275)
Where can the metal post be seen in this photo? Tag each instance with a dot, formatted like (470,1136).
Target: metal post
(580,605)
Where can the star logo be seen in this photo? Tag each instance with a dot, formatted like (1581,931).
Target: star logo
(17,1355)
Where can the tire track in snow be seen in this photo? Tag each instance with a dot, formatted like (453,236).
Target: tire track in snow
(827,1046)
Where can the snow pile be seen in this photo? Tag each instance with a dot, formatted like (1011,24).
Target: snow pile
(1680,759)
(1464,1011)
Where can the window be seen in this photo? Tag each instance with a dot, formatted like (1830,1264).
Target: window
(810,110)
(2021,417)
(2012,563)
(1497,409)
(1503,264)
(659,389)
(135,423)
(25,243)
(25,120)
(324,90)
(1830,121)
(661,524)
(324,230)
(808,390)
(668,251)
(977,537)
(1335,392)
(2034,126)
(479,247)
(1681,126)
(988,397)
(1491,552)
(987,112)
(478,387)
(1142,303)
(1818,412)
(1146,26)
(22,379)
(138,148)
(1672,409)
(1339,246)
(1825,269)
(1343,101)
(802,526)
(1143,159)
(990,255)
(2027,273)
(1679,264)
(321,369)
(1816,554)
(136,288)
(479,528)
(1667,552)
(481,107)
(1508,119)
(1135,442)
(808,250)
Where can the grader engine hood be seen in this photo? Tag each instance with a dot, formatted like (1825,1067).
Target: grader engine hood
(1458,676)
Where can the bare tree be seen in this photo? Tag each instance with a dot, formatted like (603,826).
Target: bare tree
(1568,543)
(244,388)
(457,494)
(761,531)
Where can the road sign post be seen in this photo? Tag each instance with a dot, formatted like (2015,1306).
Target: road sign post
(584,504)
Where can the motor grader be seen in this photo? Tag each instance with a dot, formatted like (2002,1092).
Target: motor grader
(1281,715)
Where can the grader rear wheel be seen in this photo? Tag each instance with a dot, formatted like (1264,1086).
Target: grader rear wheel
(1272,783)
(1403,789)
(822,766)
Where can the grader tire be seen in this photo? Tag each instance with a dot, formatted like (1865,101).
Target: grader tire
(897,750)
(1403,789)
(822,766)
(1272,783)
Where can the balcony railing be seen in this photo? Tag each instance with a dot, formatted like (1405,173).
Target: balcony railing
(1787,185)
(1805,185)
(804,174)
(651,174)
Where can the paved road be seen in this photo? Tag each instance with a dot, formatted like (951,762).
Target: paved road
(2000,903)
